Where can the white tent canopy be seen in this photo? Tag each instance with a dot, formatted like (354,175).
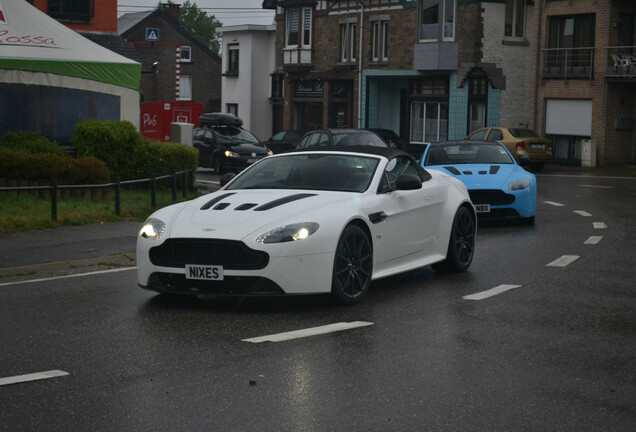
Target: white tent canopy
(51,76)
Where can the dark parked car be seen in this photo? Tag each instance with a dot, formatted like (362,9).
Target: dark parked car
(341,137)
(283,141)
(390,137)
(224,145)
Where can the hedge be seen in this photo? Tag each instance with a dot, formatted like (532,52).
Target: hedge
(127,154)
(31,142)
(65,170)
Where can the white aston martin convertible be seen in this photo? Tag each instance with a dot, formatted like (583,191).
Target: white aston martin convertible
(310,222)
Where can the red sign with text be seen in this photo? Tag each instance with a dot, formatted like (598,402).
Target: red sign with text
(156,117)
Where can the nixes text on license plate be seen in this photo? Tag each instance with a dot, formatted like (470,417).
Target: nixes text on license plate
(482,208)
(203,272)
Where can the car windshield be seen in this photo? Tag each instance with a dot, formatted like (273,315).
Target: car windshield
(523,133)
(467,153)
(357,138)
(317,171)
(233,135)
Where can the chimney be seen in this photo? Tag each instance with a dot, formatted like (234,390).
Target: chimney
(173,10)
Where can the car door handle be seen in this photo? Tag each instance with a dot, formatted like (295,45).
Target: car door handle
(377,217)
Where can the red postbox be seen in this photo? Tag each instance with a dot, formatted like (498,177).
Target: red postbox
(156,117)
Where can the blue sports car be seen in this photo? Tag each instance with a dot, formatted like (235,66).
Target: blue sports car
(499,188)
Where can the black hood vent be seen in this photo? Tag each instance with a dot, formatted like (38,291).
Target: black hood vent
(452,170)
(281,201)
(215,200)
(494,169)
(221,206)
(246,206)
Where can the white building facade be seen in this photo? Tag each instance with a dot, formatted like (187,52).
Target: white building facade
(248,62)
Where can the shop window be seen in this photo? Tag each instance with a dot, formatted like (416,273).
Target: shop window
(477,102)
(429,122)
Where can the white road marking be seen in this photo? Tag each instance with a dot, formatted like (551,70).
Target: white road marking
(583,213)
(585,176)
(600,225)
(330,328)
(32,377)
(596,186)
(552,203)
(491,292)
(565,260)
(207,181)
(67,276)
(593,240)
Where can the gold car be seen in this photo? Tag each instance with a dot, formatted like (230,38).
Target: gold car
(525,145)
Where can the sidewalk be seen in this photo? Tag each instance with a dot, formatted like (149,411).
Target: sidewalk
(81,249)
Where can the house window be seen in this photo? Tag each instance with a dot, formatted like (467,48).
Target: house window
(186,54)
(515,24)
(298,23)
(348,42)
(232,109)
(233,58)
(380,39)
(185,87)
(70,10)
(477,102)
(568,38)
(434,12)
(429,122)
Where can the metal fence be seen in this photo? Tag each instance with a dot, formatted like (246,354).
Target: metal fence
(54,188)
(566,63)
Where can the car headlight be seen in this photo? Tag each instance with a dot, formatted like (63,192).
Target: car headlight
(287,233)
(229,153)
(519,184)
(269,152)
(153,229)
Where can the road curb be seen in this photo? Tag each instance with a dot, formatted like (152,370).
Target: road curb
(69,267)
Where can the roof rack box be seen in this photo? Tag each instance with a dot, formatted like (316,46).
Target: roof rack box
(219,119)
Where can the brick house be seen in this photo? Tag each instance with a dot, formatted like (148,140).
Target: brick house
(182,68)
(585,78)
(428,69)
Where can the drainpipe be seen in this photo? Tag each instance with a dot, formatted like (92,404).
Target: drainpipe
(536,72)
(360,58)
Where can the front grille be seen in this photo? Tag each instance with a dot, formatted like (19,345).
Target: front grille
(232,255)
(498,214)
(491,196)
(229,286)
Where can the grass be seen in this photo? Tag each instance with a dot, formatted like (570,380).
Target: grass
(28,213)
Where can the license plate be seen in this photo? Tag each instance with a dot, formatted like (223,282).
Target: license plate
(536,146)
(482,208)
(203,272)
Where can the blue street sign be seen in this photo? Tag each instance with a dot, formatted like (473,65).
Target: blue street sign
(152,34)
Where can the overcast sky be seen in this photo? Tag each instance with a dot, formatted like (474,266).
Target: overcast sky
(229,12)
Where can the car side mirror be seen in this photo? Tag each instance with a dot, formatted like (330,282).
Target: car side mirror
(408,182)
(225,179)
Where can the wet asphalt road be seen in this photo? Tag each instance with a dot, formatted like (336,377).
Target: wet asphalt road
(556,353)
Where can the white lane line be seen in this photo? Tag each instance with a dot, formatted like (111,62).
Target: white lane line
(565,260)
(593,240)
(595,186)
(67,276)
(32,377)
(585,176)
(552,203)
(330,328)
(600,225)
(582,213)
(207,181)
(491,292)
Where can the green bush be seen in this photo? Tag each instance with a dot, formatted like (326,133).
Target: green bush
(31,142)
(44,168)
(127,154)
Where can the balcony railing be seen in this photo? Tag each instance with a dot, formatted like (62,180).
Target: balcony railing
(568,63)
(621,62)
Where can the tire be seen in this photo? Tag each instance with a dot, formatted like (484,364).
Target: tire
(352,266)
(461,245)
(216,165)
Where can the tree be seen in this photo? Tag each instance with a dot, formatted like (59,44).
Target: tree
(201,26)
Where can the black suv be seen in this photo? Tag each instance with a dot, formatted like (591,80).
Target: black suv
(224,145)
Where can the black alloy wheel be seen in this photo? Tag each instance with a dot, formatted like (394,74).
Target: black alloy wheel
(461,246)
(352,266)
